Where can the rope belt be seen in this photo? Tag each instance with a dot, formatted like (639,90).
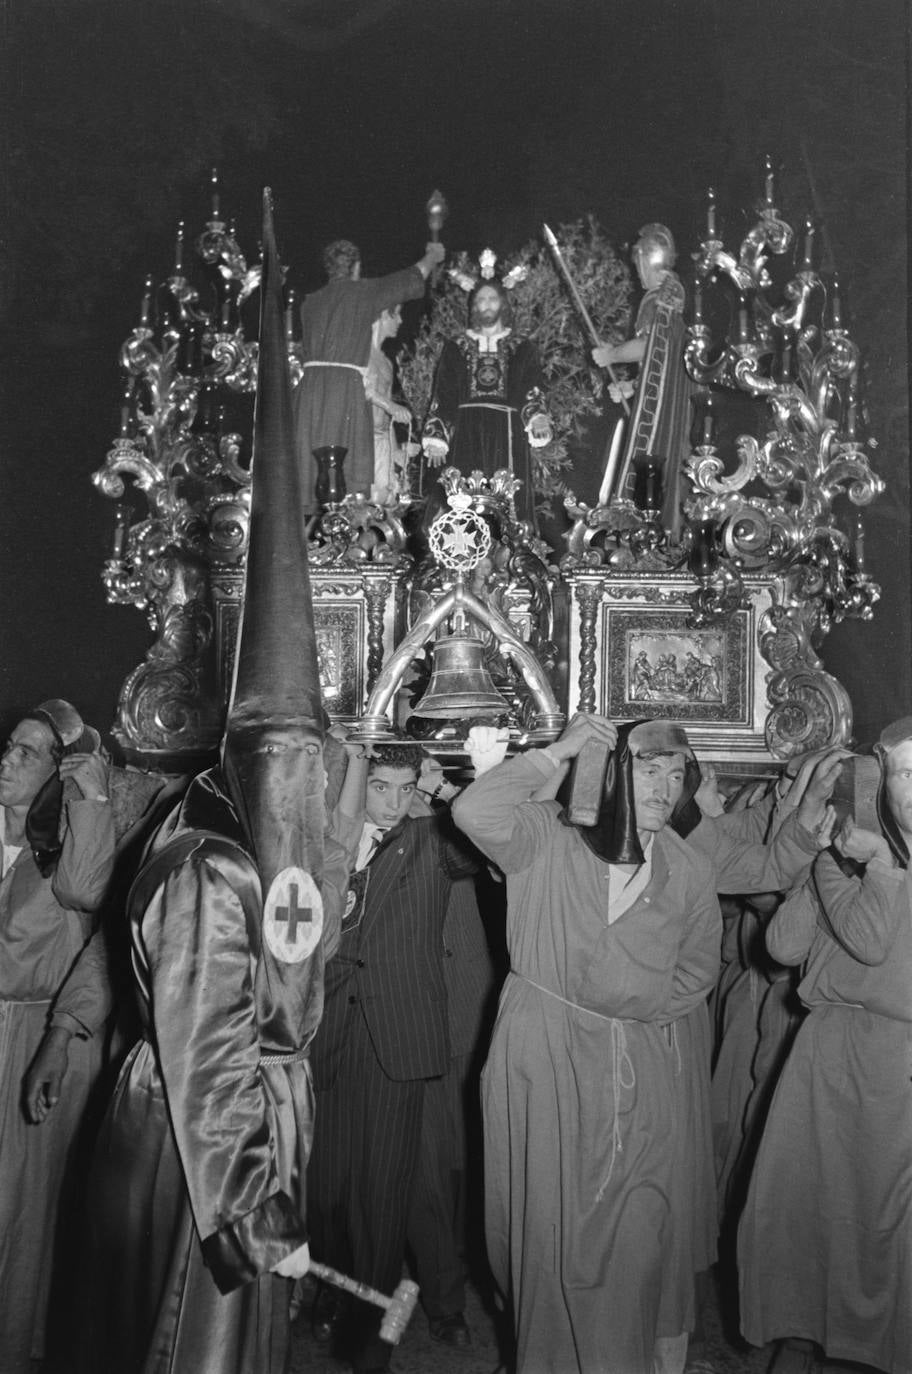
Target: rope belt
(292,1057)
(623,1074)
(501,410)
(352,367)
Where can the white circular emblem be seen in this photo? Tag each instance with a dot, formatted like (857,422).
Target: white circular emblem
(292,916)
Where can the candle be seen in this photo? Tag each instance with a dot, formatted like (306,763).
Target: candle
(744,331)
(206,407)
(289,316)
(807,261)
(121,523)
(710,213)
(225,318)
(785,366)
(145,309)
(653,486)
(709,422)
(836,304)
(126,410)
(648,485)
(215,194)
(851,413)
(179,248)
(698,300)
(859,542)
(614,456)
(769,182)
(703,556)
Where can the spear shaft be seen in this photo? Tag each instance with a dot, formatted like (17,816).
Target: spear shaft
(551,240)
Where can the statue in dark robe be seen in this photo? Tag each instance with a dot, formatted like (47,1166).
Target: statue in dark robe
(488,406)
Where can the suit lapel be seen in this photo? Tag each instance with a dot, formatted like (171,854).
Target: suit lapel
(386,870)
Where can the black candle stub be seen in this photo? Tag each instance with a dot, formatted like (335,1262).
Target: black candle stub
(329,487)
(647,492)
(703,555)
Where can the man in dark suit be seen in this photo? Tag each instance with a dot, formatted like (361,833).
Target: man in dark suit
(384,1030)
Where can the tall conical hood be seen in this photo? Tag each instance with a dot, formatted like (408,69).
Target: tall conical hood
(276,675)
(272,761)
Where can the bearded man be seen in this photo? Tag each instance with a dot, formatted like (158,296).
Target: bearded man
(488,406)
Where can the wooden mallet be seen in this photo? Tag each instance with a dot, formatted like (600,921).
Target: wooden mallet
(399,1307)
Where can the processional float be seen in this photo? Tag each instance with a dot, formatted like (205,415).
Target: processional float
(717,625)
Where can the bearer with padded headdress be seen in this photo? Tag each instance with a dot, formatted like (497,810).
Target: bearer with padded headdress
(198,1213)
(825,1244)
(57,853)
(613,932)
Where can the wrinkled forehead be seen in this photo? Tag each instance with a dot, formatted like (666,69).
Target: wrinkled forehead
(665,762)
(34,735)
(899,758)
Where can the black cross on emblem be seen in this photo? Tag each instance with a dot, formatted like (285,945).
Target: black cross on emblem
(294,913)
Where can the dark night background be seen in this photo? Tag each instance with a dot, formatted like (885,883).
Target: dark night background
(353,111)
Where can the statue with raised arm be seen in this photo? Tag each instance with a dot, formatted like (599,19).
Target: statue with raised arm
(331,408)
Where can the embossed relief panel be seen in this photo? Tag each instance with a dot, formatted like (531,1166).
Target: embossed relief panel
(635,655)
(355,623)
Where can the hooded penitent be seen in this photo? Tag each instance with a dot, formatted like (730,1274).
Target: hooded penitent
(614,836)
(272,759)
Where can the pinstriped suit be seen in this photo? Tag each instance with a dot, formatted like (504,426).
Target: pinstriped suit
(445,1212)
(384,1031)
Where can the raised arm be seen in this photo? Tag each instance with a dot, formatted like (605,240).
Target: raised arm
(791,929)
(863,914)
(87,856)
(497,810)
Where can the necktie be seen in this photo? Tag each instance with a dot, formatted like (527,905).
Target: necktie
(370,843)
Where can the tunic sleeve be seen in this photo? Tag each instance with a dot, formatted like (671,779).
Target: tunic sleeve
(744,866)
(85,1001)
(87,857)
(496,813)
(862,914)
(406,285)
(194,936)
(751,823)
(699,956)
(448,393)
(790,932)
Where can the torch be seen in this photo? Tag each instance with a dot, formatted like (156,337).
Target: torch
(437,211)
